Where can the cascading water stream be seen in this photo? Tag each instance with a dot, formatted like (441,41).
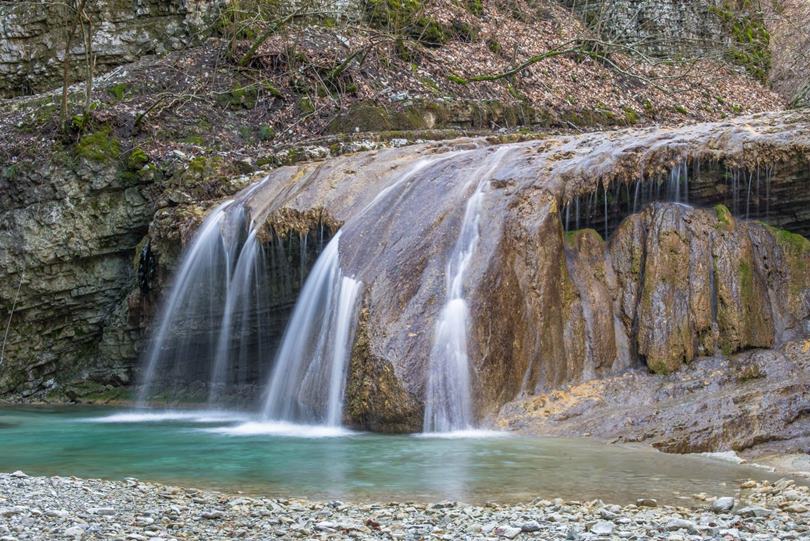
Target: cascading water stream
(314,353)
(196,269)
(308,376)
(316,348)
(210,332)
(238,293)
(448,400)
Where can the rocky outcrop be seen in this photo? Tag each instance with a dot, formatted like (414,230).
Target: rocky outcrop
(377,400)
(660,26)
(754,402)
(672,284)
(80,279)
(32,37)
(693,282)
(548,308)
(68,233)
(790,49)
(802,97)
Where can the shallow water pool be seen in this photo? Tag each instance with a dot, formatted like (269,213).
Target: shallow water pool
(236,451)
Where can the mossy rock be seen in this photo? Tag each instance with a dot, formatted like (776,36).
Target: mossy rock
(796,251)
(137,159)
(631,117)
(575,236)
(792,243)
(725,220)
(99,146)
(586,117)
(362,117)
(239,97)
(430,32)
(750,47)
(118,91)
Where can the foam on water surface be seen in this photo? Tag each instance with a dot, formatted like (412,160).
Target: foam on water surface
(140,416)
(281,428)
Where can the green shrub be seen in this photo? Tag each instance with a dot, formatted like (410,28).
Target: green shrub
(266,132)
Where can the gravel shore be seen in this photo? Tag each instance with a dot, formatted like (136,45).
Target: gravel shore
(37,508)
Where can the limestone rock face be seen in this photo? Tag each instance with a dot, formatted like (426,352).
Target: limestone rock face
(702,285)
(662,26)
(753,402)
(68,234)
(377,400)
(548,307)
(32,37)
(802,97)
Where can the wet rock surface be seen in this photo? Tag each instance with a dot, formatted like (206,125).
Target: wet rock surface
(547,307)
(754,402)
(72,508)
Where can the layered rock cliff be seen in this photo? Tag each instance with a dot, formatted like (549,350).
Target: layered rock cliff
(33,37)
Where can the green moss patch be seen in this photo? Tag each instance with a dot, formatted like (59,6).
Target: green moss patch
(791,242)
(751,46)
(574,236)
(725,220)
(118,91)
(137,159)
(99,146)
(631,116)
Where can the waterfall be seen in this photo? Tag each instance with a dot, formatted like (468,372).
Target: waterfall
(448,400)
(317,343)
(218,307)
(212,329)
(237,293)
(608,214)
(211,332)
(200,273)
